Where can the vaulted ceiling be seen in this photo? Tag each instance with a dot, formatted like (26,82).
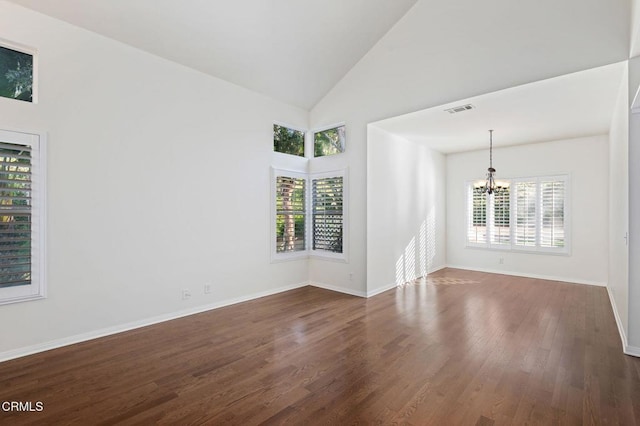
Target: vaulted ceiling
(394,57)
(290,50)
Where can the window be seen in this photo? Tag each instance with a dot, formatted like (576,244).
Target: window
(477,229)
(525,209)
(309,215)
(290,214)
(489,216)
(16,74)
(541,207)
(523,214)
(329,141)
(22,217)
(288,141)
(327,210)
(552,200)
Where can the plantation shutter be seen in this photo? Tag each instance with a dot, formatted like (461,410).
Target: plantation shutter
(500,231)
(15,215)
(477,221)
(552,213)
(525,214)
(327,210)
(290,214)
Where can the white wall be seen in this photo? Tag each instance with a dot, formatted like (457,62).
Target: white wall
(404,72)
(634,212)
(405,210)
(585,160)
(618,281)
(158,181)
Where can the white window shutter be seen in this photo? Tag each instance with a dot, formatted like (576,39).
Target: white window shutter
(525,214)
(327,211)
(290,214)
(552,223)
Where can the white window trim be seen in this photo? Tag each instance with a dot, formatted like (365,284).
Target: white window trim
(309,252)
(489,215)
(322,254)
(312,139)
(305,138)
(512,247)
(566,250)
(296,255)
(38,287)
(29,51)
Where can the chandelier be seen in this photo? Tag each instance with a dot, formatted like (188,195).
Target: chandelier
(490,184)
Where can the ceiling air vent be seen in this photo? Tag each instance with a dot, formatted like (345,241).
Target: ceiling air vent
(459,108)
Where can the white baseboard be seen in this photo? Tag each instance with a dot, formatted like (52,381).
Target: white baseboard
(436,269)
(83,337)
(371,293)
(338,289)
(528,275)
(632,350)
(626,348)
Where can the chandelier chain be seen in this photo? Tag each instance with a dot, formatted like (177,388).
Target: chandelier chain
(491,148)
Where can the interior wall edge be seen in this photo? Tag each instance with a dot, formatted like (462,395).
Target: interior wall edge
(626,348)
(338,289)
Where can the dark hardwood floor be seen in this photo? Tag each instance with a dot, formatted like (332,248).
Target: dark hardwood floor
(457,348)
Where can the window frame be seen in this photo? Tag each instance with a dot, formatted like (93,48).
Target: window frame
(309,252)
(294,128)
(512,245)
(38,287)
(324,254)
(489,217)
(33,52)
(323,129)
(290,255)
(566,249)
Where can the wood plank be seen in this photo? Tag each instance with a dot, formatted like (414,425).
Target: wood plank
(456,347)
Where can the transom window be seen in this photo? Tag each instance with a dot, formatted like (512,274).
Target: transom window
(16,74)
(288,141)
(329,142)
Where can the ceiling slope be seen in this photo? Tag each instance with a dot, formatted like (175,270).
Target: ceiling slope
(443,51)
(293,51)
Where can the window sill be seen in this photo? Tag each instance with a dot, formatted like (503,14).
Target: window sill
(510,249)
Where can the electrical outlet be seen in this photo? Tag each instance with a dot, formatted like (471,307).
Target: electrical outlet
(186,294)
(207,288)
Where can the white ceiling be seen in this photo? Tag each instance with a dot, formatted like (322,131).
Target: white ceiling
(290,50)
(570,106)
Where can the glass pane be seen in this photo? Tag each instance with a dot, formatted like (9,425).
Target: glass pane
(525,214)
(290,214)
(288,141)
(328,214)
(552,230)
(501,232)
(16,74)
(329,142)
(477,231)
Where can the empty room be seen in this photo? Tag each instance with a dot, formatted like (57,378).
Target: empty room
(338,212)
